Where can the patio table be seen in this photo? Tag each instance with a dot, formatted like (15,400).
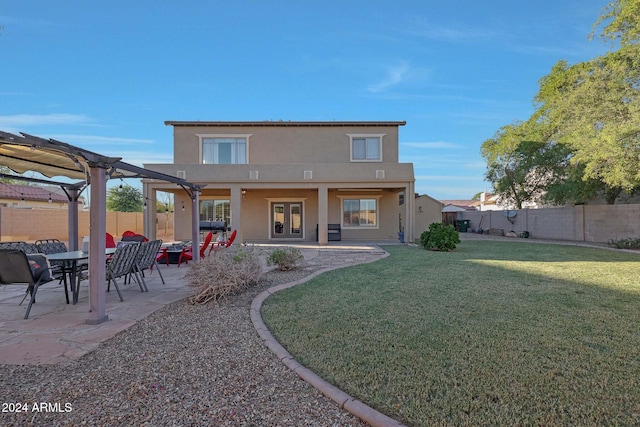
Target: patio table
(73,257)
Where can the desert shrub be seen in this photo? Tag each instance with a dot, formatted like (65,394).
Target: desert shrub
(628,243)
(285,258)
(224,272)
(439,237)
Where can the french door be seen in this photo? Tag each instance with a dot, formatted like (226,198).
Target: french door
(286,220)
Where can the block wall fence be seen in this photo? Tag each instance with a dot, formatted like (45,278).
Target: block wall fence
(33,224)
(583,223)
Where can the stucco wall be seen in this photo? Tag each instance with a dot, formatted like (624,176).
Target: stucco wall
(588,223)
(282,145)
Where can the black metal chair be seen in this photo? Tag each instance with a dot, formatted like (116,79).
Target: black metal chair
(16,270)
(55,246)
(121,264)
(146,260)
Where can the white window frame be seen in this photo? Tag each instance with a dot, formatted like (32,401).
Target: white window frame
(202,137)
(360,197)
(352,137)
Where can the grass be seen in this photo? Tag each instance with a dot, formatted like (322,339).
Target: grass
(494,333)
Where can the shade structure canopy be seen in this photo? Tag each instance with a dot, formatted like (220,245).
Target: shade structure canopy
(50,158)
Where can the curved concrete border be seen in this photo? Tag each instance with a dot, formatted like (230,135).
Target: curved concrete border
(345,401)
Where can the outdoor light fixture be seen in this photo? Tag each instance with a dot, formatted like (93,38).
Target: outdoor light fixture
(183,206)
(145,204)
(22,198)
(50,199)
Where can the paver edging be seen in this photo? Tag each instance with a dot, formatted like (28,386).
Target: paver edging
(344,400)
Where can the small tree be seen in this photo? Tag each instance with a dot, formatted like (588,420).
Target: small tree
(439,237)
(124,199)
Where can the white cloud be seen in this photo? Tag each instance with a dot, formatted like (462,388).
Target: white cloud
(433,144)
(138,158)
(99,140)
(395,75)
(15,120)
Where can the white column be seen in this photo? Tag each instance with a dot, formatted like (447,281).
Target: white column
(72,222)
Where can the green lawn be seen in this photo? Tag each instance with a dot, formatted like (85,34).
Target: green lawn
(494,333)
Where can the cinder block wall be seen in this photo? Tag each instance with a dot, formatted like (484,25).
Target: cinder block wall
(584,223)
(34,224)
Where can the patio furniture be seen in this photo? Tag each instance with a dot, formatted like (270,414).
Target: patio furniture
(15,269)
(122,264)
(110,242)
(53,246)
(146,259)
(187,253)
(224,243)
(130,236)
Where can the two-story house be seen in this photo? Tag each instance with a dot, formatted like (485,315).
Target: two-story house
(288,181)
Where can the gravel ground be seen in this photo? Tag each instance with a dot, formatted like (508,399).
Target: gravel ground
(183,365)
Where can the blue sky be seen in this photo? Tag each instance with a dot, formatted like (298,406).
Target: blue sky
(105,75)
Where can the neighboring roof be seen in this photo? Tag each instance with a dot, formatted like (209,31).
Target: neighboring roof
(30,192)
(281,123)
(462,203)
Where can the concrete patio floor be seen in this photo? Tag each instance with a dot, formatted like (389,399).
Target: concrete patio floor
(56,332)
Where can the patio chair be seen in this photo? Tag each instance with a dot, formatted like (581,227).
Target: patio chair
(146,259)
(15,269)
(224,243)
(110,242)
(121,264)
(187,253)
(130,236)
(61,268)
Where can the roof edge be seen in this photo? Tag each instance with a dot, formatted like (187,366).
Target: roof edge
(280,123)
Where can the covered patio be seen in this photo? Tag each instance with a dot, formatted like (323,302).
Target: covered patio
(50,158)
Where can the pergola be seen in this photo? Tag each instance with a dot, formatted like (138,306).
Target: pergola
(51,158)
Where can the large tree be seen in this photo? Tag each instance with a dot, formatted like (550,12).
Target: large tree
(522,162)
(589,114)
(124,199)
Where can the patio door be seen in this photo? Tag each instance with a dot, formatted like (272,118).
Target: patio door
(286,220)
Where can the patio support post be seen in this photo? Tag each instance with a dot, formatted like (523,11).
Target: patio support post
(149,216)
(409,205)
(97,245)
(195,225)
(72,221)
(323,214)
(236,211)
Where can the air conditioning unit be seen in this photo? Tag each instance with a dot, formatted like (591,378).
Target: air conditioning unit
(182,174)
(380,174)
(308,174)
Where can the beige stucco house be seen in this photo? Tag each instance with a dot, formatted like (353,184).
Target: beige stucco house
(288,181)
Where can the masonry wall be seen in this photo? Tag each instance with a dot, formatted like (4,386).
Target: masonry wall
(33,224)
(584,223)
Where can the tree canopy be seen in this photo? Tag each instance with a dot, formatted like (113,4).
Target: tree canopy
(584,137)
(124,199)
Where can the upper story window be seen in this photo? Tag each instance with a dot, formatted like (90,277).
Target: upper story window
(366,148)
(224,149)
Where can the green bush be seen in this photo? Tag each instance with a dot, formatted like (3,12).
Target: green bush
(439,237)
(628,243)
(285,258)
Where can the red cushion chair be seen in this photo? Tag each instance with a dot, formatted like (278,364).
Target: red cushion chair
(224,243)
(187,253)
(111,242)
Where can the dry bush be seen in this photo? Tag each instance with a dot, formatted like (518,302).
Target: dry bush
(224,272)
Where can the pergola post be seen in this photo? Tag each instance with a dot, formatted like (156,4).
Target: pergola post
(195,225)
(97,244)
(72,223)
